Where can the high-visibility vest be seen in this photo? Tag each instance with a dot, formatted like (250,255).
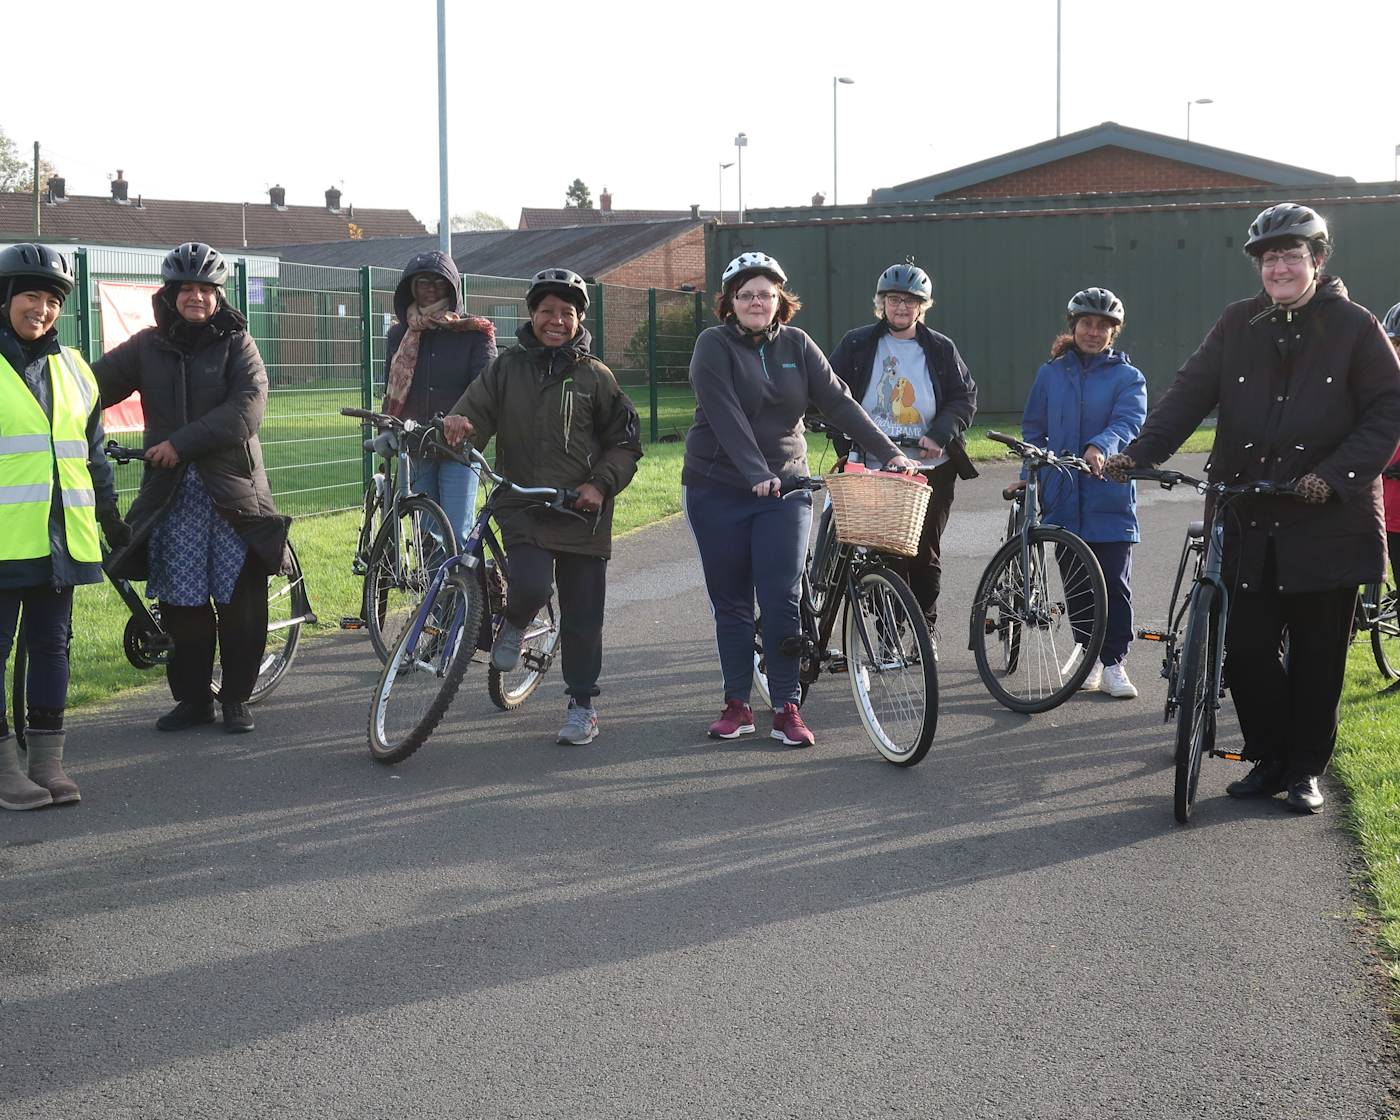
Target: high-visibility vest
(31,447)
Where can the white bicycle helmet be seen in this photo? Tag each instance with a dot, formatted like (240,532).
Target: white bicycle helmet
(760,263)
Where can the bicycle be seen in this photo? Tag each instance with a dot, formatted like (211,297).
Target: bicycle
(886,650)
(1026,602)
(425,668)
(404,537)
(1193,665)
(1378,611)
(146,644)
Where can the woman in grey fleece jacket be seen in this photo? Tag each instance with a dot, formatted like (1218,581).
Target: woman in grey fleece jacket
(755,378)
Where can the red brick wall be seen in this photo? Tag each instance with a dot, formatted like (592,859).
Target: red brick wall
(1104,169)
(680,261)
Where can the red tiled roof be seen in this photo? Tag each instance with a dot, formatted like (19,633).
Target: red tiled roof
(538,217)
(163,222)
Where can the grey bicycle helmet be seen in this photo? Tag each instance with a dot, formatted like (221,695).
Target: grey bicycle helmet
(194,263)
(908,278)
(1096,301)
(756,263)
(1391,322)
(558,282)
(1286,221)
(37,264)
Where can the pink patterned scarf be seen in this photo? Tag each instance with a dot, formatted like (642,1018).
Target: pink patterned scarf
(433,317)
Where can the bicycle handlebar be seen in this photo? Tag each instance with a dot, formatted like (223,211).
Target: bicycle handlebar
(1169,479)
(1037,457)
(119,454)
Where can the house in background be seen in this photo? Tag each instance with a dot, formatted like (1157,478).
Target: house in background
(120,219)
(538,217)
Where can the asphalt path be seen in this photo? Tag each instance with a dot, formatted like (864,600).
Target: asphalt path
(659,925)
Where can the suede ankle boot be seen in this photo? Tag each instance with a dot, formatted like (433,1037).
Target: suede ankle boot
(46,765)
(16,790)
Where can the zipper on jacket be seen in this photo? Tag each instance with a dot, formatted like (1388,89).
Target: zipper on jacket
(566,408)
(762,346)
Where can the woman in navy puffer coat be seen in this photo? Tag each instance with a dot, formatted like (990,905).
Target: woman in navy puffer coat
(1090,400)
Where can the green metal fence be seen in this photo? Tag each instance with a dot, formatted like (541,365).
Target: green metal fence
(321,332)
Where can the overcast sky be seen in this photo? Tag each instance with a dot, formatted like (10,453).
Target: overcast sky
(219,101)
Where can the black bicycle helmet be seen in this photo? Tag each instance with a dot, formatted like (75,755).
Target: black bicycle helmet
(907,278)
(1391,322)
(559,282)
(1096,301)
(194,263)
(1285,222)
(35,263)
(757,264)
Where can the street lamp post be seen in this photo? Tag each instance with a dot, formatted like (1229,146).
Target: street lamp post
(1197,101)
(740,143)
(723,167)
(835,197)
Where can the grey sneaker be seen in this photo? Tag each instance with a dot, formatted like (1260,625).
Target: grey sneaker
(580,725)
(505,651)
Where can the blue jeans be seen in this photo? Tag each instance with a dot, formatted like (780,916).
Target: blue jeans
(752,547)
(453,486)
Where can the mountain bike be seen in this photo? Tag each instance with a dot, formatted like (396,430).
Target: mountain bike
(404,537)
(1040,611)
(1193,663)
(424,669)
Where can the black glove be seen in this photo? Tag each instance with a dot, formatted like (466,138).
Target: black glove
(117,531)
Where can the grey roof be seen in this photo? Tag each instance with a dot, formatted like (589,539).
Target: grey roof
(539,217)
(591,250)
(1108,134)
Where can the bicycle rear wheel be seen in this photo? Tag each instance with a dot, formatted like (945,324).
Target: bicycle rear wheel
(1385,632)
(287,609)
(425,669)
(1195,715)
(510,690)
(894,678)
(402,563)
(1025,625)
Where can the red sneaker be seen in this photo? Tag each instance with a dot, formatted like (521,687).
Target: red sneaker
(735,720)
(788,726)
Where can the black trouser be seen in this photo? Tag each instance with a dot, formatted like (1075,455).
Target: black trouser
(1289,712)
(583,585)
(924,571)
(48,630)
(240,628)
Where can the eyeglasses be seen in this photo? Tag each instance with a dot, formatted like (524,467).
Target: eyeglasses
(902,301)
(1292,258)
(755,297)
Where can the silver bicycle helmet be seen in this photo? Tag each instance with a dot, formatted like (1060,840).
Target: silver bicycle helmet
(759,263)
(1391,322)
(558,282)
(1286,221)
(907,278)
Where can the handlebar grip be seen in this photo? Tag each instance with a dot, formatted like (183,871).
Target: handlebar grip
(792,485)
(1010,441)
(360,413)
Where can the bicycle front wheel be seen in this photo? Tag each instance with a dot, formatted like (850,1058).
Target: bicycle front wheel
(287,609)
(889,658)
(510,690)
(425,669)
(1385,632)
(402,563)
(1027,620)
(1195,714)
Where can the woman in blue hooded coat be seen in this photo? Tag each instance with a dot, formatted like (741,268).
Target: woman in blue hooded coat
(1090,400)
(432,353)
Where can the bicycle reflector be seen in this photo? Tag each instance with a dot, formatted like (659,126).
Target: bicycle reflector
(1152,635)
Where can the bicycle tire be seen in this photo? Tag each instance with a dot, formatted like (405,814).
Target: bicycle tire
(1195,713)
(1385,632)
(821,564)
(286,599)
(371,522)
(510,690)
(401,568)
(1009,630)
(425,669)
(1039,607)
(896,691)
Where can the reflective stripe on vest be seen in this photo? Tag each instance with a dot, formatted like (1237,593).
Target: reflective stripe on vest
(32,449)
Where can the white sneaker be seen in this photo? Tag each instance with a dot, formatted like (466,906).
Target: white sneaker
(1094,679)
(1117,684)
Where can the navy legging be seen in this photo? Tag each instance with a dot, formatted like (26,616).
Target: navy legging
(752,547)
(48,615)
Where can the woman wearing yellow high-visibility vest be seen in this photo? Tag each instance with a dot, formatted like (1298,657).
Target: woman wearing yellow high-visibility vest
(55,487)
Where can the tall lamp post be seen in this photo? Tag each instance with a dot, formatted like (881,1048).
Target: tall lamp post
(740,143)
(1197,101)
(444,220)
(723,167)
(835,197)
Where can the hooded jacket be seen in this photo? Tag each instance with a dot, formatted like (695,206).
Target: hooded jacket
(1078,400)
(207,398)
(559,419)
(1312,391)
(448,361)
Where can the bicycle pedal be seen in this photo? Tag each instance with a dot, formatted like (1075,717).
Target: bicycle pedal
(837,664)
(350,622)
(1231,755)
(1152,635)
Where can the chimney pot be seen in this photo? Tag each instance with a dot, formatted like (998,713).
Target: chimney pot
(57,188)
(333,200)
(278,197)
(605,200)
(819,199)
(119,187)
(695,210)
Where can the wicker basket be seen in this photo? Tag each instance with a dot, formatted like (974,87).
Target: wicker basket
(880,511)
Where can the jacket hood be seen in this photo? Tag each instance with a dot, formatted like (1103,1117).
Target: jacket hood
(226,320)
(1328,288)
(439,264)
(581,343)
(1109,357)
(20,353)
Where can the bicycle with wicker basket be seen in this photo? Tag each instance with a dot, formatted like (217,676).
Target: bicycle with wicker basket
(885,650)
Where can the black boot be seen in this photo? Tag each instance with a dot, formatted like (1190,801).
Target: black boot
(1266,779)
(185,714)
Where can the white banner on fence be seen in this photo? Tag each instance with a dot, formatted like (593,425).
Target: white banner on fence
(125,308)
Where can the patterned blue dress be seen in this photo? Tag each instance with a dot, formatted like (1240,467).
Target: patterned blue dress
(194,553)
